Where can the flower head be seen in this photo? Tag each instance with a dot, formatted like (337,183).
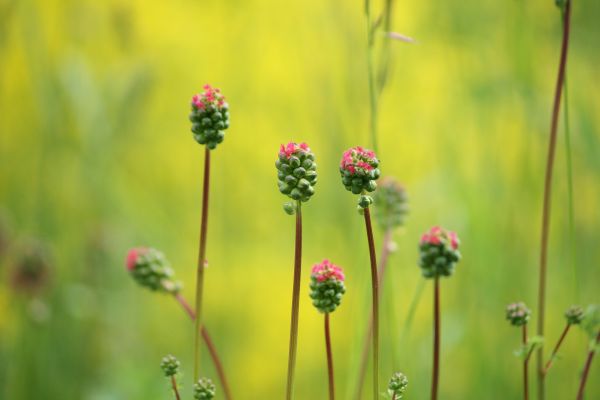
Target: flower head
(296,172)
(150,268)
(359,170)
(326,286)
(391,204)
(204,389)
(574,315)
(517,313)
(169,365)
(438,252)
(209,116)
(397,386)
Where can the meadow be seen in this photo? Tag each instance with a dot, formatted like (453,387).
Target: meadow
(96,157)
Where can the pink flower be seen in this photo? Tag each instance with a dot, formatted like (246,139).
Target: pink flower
(292,148)
(327,270)
(132,257)
(358,159)
(210,96)
(438,235)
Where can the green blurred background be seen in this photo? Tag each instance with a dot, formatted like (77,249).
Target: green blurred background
(96,156)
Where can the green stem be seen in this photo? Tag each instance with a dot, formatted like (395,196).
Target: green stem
(570,181)
(371,76)
(201,264)
(525,365)
(329,358)
(553,356)
(375,293)
(412,309)
(295,304)
(547,199)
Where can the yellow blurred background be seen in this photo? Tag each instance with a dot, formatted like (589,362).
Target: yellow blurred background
(96,156)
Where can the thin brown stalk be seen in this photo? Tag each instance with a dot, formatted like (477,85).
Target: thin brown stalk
(212,350)
(375,293)
(547,197)
(295,304)
(174,386)
(329,358)
(436,339)
(362,372)
(586,369)
(560,340)
(201,263)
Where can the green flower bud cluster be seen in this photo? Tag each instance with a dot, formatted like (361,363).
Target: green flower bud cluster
(397,386)
(209,117)
(204,389)
(150,268)
(438,252)
(169,365)
(296,173)
(327,286)
(574,315)
(359,170)
(517,314)
(391,204)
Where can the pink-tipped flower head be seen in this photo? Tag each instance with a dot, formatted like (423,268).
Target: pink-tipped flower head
(296,172)
(209,116)
(438,252)
(150,268)
(327,286)
(359,169)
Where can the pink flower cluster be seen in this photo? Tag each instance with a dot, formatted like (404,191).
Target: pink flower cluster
(357,158)
(437,235)
(132,257)
(291,148)
(210,96)
(327,270)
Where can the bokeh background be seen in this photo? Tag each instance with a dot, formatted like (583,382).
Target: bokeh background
(96,156)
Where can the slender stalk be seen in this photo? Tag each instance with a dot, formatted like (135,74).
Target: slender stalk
(295,303)
(364,360)
(586,369)
(329,358)
(560,340)
(547,198)
(525,365)
(569,161)
(210,346)
(436,338)
(201,263)
(375,292)
(174,386)
(371,75)
(412,309)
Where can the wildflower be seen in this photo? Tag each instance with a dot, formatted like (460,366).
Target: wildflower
(326,286)
(150,268)
(438,252)
(296,173)
(209,117)
(397,385)
(518,314)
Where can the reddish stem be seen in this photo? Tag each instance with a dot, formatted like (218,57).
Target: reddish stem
(329,358)
(295,304)
(174,386)
(201,262)
(436,338)
(560,340)
(547,196)
(209,345)
(586,369)
(525,365)
(362,372)
(375,291)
